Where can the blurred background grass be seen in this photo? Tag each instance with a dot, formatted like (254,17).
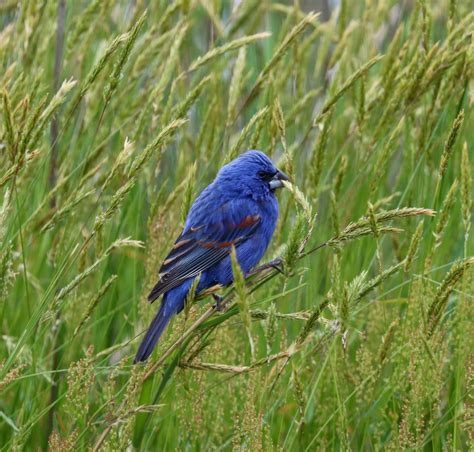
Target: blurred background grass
(115,114)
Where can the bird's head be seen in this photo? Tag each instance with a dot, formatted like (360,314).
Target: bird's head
(253,171)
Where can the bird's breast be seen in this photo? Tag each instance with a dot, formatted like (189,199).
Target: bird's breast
(269,213)
(258,244)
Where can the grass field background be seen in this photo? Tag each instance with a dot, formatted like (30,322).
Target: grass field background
(115,114)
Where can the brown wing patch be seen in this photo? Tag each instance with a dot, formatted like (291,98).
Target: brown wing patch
(211,245)
(249,220)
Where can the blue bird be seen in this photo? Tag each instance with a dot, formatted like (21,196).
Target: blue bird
(238,209)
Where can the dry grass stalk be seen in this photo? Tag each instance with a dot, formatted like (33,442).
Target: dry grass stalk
(243,369)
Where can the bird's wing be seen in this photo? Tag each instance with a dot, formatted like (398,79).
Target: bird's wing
(205,243)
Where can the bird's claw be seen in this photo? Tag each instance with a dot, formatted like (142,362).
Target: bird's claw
(277,264)
(218,299)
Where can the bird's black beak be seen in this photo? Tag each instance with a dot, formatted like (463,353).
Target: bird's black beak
(277,180)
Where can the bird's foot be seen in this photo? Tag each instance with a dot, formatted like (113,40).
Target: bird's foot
(276,264)
(218,299)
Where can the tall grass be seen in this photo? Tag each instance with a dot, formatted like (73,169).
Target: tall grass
(114,115)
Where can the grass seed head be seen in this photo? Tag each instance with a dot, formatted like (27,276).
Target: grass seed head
(466,192)
(449,145)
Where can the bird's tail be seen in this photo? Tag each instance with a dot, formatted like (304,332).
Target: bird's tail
(155,330)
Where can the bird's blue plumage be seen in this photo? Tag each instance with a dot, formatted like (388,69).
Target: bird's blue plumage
(238,209)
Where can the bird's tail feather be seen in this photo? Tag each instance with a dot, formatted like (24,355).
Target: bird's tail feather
(155,330)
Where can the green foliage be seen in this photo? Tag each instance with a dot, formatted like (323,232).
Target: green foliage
(360,333)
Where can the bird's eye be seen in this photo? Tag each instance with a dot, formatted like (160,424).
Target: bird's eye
(266,175)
